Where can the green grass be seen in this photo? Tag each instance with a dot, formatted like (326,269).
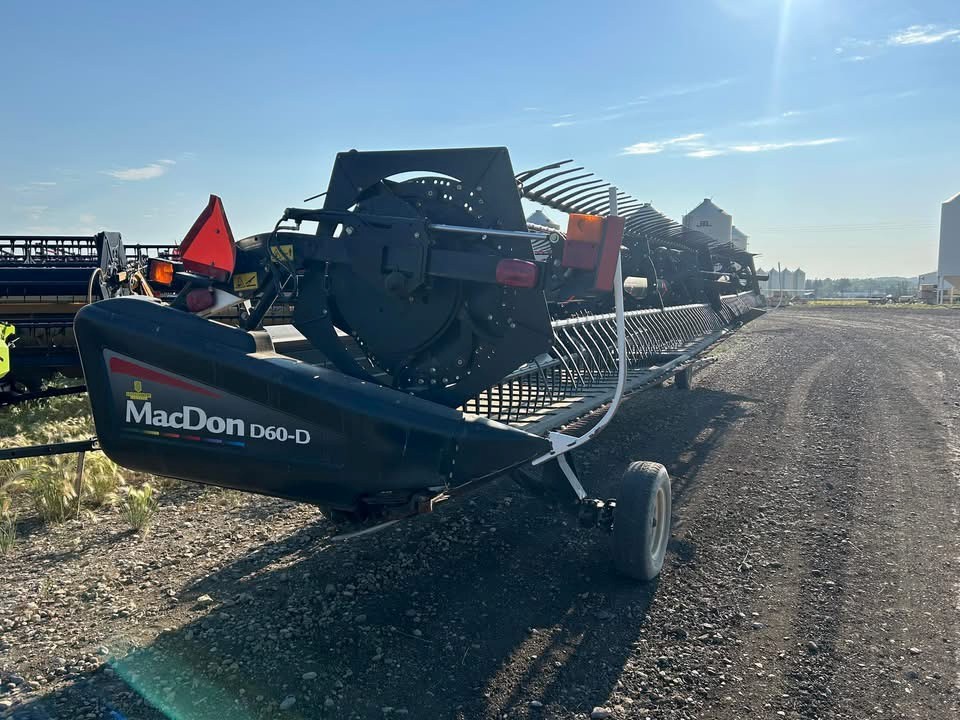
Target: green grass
(861,302)
(46,485)
(8,524)
(139,506)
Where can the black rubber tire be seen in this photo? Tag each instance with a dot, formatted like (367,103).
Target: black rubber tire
(641,522)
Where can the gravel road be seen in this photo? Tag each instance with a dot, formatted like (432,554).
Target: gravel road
(814,570)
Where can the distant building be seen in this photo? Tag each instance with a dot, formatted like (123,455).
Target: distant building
(946,278)
(710,220)
(539,218)
(799,279)
(739,238)
(787,280)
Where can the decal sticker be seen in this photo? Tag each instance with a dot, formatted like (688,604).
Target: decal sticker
(245,281)
(156,403)
(283,253)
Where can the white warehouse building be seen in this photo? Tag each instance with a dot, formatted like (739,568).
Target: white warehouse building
(944,282)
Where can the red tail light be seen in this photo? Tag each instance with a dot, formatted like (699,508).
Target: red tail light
(200,299)
(517,273)
(208,248)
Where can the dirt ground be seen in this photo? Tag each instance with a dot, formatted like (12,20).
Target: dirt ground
(814,570)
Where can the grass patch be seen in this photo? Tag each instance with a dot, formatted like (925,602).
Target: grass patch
(860,302)
(50,487)
(102,480)
(139,506)
(8,524)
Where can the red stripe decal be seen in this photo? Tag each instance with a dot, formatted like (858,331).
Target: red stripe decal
(125,367)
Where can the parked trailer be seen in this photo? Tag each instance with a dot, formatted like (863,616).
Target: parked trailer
(458,345)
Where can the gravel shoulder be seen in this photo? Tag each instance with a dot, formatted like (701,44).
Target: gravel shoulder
(814,570)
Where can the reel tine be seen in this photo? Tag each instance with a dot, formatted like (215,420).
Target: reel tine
(548,178)
(526,174)
(567,195)
(563,183)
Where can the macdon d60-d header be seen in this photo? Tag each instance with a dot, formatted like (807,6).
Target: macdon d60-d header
(451,341)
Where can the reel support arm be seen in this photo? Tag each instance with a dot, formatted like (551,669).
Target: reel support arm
(560,442)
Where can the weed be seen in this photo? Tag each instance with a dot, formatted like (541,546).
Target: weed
(50,489)
(139,506)
(8,526)
(102,479)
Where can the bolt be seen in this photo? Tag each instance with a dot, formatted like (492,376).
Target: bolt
(416,236)
(459,361)
(348,230)
(489,317)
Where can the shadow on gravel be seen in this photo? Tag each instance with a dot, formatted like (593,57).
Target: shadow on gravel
(478,610)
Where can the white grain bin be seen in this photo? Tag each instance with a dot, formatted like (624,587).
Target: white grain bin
(711,220)
(949,263)
(739,238)
(799,279)
(787,280)
(773,284)
(540,218)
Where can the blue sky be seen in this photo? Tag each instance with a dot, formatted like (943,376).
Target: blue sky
(827,128)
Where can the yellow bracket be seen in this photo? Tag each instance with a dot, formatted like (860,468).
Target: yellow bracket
(6,330)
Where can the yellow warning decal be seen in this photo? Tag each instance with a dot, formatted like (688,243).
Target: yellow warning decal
(245,281)
(282,252)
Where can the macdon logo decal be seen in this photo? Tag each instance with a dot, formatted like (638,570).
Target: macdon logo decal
(141,416)
(191,417)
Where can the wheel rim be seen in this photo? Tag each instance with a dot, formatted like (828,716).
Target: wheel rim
(658,524)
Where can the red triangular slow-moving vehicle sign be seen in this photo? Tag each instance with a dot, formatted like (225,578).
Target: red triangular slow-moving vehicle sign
(208,247)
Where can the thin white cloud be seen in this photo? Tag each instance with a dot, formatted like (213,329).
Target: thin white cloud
(87,219)
(774,119)
(35,212)
(656,146)
(706,153)
(147,172)
(35,186)
(923,35)
(643,148)
(768,147)
(694,88)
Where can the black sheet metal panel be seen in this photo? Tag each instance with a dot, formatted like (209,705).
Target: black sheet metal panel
(181,396)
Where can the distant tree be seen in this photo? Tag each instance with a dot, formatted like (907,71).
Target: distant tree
(843,285)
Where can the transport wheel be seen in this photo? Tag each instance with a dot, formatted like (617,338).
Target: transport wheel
(641,523)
